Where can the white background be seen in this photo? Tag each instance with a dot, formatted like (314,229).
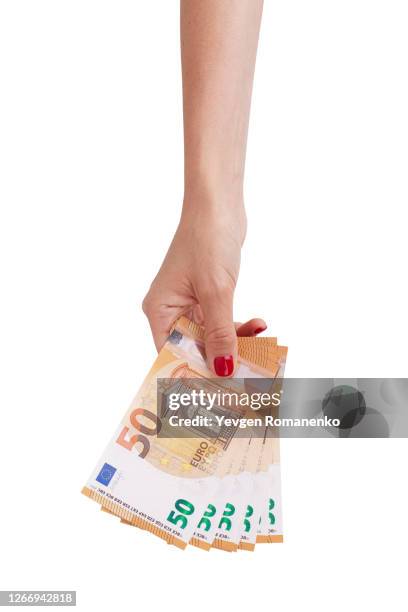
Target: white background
(91,186)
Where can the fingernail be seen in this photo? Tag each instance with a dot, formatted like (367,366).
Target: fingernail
(259,330)
(224,366)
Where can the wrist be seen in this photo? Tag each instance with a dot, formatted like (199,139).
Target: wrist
(211,181)
(222,209)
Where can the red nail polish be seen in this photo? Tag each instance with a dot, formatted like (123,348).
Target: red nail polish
(259,330)
(224,366)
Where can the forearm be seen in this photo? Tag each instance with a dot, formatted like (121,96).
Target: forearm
(218,47)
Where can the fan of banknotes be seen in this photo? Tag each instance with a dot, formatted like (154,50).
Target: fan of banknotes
(211,488)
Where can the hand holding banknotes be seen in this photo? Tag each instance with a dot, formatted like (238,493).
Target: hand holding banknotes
(198,278)
(211,488)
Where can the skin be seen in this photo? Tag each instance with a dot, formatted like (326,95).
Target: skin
(199,273)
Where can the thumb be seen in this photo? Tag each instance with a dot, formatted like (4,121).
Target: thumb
(220,336)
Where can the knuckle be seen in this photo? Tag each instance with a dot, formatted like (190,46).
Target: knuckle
(217,290)
(147,305)
(220,337)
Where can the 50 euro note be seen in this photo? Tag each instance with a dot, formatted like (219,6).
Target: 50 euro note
(266,526)
(234,510)
(270,527)
(232,518)
(232,515)
(246,502)
(164,485)
(263,522)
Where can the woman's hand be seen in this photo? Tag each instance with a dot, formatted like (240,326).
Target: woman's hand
(198,278)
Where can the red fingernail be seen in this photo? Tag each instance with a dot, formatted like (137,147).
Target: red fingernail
(224,366)
(259,330)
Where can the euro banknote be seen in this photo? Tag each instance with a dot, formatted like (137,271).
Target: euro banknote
(157,484)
